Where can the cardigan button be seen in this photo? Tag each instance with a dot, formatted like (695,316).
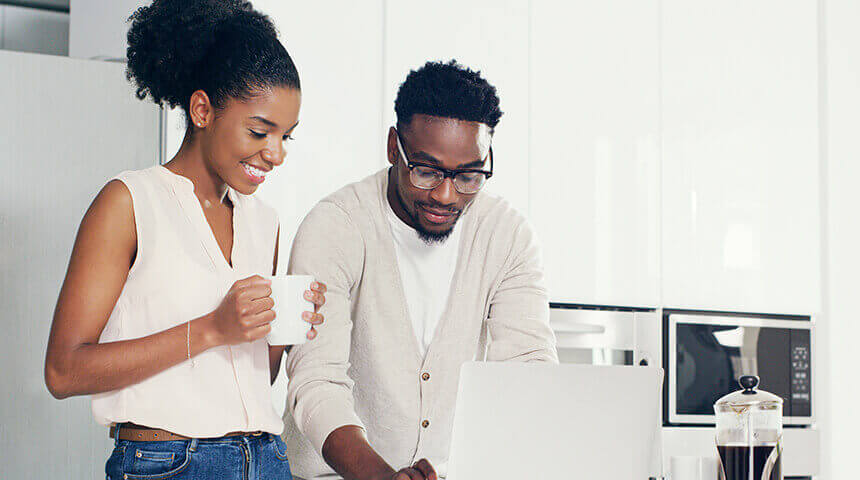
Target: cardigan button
(425,423)
(425,376)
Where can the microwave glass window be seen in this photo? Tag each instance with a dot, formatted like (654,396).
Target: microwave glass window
(710,359)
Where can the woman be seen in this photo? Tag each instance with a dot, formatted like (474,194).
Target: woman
(163,313)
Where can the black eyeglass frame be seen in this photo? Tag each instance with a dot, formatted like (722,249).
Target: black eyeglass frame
(446,173)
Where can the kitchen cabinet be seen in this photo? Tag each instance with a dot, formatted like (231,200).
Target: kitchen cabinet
(740,156)
(486,35)
(593,149)
(665,153)
(58,5)
(98,28)
(33,30)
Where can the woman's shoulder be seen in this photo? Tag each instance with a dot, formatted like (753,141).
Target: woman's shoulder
(111,215)
(114,197)
(148,173)
(136,180)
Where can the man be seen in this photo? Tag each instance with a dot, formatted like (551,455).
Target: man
(424,272)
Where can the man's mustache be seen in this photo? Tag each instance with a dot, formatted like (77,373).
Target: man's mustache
(440,208)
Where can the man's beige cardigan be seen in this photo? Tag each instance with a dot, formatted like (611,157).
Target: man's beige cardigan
(364,367)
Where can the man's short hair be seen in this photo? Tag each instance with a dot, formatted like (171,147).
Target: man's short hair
(447,90)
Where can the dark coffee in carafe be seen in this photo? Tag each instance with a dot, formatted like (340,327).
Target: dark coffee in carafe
(736,463)
(749,433)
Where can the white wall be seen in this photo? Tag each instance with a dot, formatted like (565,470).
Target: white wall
(842,231)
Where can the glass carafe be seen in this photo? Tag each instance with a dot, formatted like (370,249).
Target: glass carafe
(749,433)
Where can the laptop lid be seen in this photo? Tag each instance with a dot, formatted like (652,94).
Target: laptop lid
(518,420)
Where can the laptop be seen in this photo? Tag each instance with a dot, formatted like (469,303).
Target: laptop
(517,421)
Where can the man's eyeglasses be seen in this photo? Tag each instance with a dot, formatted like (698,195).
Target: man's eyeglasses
(467,181)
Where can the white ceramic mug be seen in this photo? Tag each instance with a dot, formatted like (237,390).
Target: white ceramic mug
(288,327)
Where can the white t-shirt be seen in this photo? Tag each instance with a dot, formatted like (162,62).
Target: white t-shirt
(426,271)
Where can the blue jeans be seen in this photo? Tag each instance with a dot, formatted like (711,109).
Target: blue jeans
(251,457)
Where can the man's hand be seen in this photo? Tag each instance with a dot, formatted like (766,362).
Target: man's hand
(346,450)
(422,470)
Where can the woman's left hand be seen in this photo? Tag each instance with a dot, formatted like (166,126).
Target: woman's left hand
(315,295)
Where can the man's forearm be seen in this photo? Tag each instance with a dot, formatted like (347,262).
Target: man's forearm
(347,451)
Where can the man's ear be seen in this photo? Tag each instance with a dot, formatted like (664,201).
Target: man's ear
(392,146)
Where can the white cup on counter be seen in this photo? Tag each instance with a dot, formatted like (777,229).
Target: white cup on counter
(288,327)
(693,468)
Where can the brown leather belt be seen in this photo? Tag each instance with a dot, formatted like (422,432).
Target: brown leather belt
(139,433)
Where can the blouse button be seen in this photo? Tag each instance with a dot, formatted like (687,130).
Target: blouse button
(425,376)
(425,423)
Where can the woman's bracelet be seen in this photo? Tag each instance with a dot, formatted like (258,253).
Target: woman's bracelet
(188,342)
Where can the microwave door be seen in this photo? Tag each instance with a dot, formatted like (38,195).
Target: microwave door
(712,357)
(704,368)
(708,354)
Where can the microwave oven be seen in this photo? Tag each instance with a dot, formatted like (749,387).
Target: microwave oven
(704,355)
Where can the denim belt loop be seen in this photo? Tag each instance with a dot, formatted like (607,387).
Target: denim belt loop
(193,445)
(117,426)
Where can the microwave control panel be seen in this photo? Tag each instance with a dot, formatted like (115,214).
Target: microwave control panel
(801,374)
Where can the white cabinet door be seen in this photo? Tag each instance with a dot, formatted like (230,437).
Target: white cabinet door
(486,35)
(98,28)
(594,163)
(34,30)
(740,155)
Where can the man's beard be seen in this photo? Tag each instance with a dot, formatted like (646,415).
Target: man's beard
(428,237)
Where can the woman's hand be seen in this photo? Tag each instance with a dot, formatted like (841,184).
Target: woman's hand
(315,295)
(245,313)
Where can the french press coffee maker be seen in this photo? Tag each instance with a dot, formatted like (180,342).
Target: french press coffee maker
(749,433)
